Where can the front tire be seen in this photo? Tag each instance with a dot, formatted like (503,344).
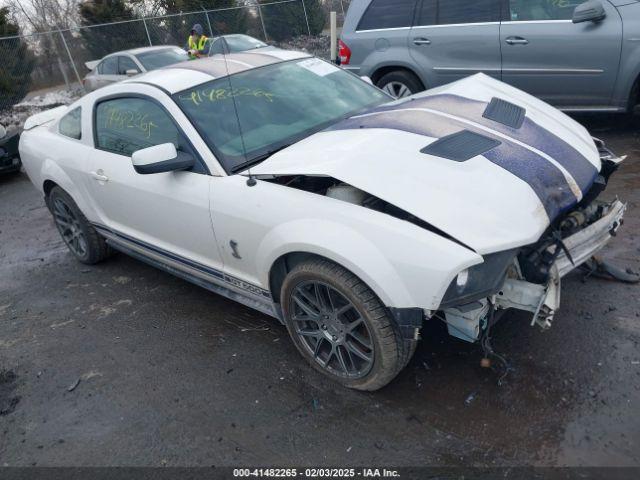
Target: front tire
(341,327)
(81,238)
(400,83)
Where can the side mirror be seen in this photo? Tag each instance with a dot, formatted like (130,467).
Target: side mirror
(367,79)
(591,11)
(3,131)
(160,159)
(131,73)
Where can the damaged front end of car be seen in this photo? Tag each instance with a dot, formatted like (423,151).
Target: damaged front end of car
(529,278)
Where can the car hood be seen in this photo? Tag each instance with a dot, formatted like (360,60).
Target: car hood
(540,163)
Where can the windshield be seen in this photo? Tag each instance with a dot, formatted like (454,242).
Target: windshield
(276,105)
(161,58)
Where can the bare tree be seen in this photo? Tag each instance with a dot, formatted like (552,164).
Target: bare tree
(47,16)
(44,15)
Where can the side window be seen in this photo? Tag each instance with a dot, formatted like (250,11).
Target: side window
(125,125)
(523,10)
(71,124)
(386,14)
(109,66)
(450,12)
(125,64)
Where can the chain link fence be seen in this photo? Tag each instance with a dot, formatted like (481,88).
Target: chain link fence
(56,59)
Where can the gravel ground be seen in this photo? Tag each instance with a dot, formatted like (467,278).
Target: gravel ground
(120,364)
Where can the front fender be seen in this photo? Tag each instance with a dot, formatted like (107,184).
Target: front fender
(341,244)
(404,264)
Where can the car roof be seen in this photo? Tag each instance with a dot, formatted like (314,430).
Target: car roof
(135,51)
(180,76)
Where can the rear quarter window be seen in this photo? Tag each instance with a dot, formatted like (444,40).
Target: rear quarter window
(71,124)
(388,14)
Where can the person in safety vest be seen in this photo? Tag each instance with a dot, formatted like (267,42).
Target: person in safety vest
(197,42)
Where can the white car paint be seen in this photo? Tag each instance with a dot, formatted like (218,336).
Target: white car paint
(198,217)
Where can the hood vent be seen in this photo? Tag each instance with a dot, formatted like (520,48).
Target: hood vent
(505,113)
(461,146)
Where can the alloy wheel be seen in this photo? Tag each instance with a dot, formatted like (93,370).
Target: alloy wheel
(332,330)
(397,89)
(69,227)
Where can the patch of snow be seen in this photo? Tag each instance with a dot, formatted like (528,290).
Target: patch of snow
(14,119)
(48,100)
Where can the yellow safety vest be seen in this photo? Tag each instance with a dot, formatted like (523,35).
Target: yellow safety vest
(197,46)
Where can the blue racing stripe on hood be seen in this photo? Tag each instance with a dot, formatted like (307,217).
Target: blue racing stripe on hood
(546,180)
(530,133)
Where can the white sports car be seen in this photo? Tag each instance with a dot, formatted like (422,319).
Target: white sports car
(294,187)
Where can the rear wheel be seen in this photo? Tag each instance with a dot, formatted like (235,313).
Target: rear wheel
(400,83)
(80,237)
(341,327)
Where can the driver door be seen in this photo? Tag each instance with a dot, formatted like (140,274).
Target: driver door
(165,215)
(568,65)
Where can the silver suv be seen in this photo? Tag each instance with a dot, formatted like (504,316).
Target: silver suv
(577,56)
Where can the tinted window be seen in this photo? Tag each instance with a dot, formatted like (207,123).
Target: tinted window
(161,58)
(448,12)
(247,116)
(109,66)
(388,14)
(125,125)
(71,124)
(523,10)
(127,64)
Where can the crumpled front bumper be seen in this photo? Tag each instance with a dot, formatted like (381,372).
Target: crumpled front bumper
(585,243)
(544,300)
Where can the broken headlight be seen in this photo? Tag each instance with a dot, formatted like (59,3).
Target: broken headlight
(479,281)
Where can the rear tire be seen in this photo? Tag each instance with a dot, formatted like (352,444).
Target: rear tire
(341,327)
(81,238)
(400,83)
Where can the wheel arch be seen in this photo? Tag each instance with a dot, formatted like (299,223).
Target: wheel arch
(47,186)
(283,265)
(285,262)
(381,71)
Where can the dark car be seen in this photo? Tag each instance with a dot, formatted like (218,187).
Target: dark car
(9,157)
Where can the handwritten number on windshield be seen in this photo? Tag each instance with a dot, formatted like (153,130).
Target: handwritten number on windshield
(198,97)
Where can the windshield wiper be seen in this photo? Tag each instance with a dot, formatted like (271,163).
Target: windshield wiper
(258,159)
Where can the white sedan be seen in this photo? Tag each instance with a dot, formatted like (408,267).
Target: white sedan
(300,190)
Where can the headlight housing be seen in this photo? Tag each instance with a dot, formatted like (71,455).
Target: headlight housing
(479,281)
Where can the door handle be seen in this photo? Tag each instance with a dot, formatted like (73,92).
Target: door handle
(516,41)
(421,41)
(99,176)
